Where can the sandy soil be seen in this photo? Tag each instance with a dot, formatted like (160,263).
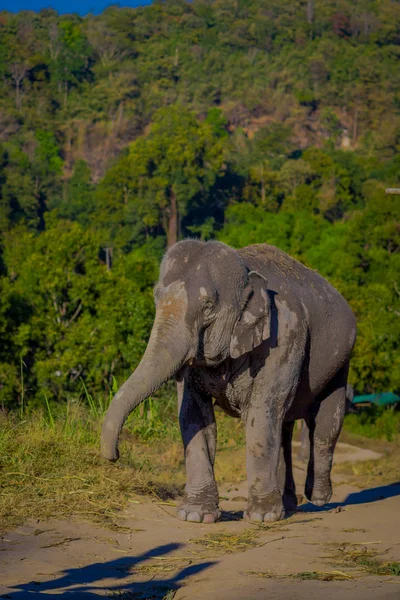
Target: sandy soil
(155,553)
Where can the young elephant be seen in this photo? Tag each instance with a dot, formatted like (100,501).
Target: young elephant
(270,341)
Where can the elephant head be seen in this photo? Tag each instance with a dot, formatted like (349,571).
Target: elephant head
(209,307)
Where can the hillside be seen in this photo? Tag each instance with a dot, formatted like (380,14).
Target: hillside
(248,121)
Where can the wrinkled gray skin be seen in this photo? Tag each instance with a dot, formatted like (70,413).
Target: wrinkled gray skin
(304,451)
(270,341)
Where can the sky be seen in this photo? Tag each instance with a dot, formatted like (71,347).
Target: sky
(67,6)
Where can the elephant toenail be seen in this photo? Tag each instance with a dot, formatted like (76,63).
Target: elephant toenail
(182,515)
(318,501)
(194,517)
(256,517)
(208,518)
(270,516)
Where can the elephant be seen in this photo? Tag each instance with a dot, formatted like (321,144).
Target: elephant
(266,339)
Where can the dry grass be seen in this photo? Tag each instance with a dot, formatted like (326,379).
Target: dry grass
(361,559)
(304,576)
(169,595)
(373,473)
(321,576)
(224,542)
(162,565)
(55,470)
(230,465)
(50,465)
(227,543)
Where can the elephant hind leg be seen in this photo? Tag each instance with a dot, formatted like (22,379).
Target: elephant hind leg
(324,425)
(285,471)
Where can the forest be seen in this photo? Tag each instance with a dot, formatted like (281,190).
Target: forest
(245,121)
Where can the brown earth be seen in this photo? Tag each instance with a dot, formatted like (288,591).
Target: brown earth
(153,555)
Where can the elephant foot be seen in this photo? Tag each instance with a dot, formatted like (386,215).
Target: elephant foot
(198,513)
(264,512)
(319,495)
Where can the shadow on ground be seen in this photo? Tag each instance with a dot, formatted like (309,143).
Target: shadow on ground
(89,582)
(363,497)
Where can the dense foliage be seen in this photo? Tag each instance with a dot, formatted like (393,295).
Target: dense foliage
(248,121)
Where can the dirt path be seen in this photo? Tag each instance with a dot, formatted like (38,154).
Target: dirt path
(155,556)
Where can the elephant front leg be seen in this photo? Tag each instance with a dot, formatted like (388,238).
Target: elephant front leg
(285,471)
(263,442)
(199,435)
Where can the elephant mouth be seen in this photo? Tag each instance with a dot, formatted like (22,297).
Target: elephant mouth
(207,361)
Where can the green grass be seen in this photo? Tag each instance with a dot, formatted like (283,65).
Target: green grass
(379,423)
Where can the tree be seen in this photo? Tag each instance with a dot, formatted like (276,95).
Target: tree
(105,42)
(72,319)
(78,198)
(69,52)
(18,72)
(178,161)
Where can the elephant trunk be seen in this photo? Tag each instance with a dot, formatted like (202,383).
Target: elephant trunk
(167,351)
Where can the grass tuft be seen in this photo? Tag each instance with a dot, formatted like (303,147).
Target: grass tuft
(226,542)
(321,576)
(363,559)
(305,575)
(263,574)
(166,595)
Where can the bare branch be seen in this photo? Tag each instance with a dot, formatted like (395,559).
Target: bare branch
(18,72)
(105,43)
(76,313)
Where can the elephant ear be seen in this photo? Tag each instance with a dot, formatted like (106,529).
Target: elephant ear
(253,326)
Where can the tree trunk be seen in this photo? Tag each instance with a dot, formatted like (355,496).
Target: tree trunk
(172,233)
(18,72)
(310,17)
(164,220)
(17,97)
(262,188)
(65,93)
(310,11)
(355,125)
(109,252)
